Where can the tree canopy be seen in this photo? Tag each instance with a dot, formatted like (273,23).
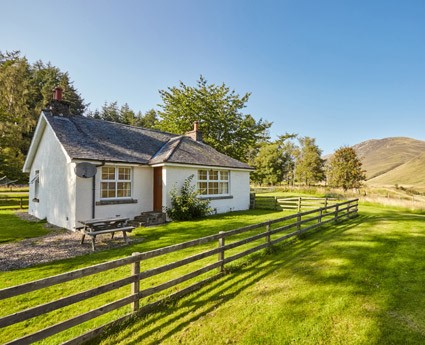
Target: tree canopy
(124,114)
(274,162)
(218,111)
(309,167)
(25,89)
(345,169)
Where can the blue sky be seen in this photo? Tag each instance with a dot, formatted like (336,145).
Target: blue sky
(339,71)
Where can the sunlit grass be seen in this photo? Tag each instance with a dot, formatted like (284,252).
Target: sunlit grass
(355,282)
(359,282)
(15,229)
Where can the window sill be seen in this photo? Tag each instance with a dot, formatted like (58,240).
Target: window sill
(116,202)
(218,197)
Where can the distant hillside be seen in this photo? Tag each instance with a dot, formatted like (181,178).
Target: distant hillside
(411,173)
(393,160)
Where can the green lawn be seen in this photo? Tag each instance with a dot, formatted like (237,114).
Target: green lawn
(358,282)
(16,229)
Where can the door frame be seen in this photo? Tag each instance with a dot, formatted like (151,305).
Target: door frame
(157,189)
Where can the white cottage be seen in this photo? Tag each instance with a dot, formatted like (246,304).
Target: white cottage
(135,169)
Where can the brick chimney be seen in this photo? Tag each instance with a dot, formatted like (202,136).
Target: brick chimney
(196,134)
(57,106)
(57,93)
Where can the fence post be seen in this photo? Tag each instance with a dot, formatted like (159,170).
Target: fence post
(326,202)
(275,203)
(299,224)
(336,212)
(21,203)
(268,233)
(221,243)
(252,201)
(135,287)
(319,220)
(299,204)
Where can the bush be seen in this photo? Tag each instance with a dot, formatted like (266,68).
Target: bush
(186,205)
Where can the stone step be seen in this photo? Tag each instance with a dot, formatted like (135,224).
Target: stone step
(149,218)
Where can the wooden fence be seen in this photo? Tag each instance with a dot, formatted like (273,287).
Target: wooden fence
(13,202)
(246,240)
(295,203)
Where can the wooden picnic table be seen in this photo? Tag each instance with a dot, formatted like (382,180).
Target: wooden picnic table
(98,226)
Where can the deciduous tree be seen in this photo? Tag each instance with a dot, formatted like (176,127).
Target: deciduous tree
(345,169)
(219,113)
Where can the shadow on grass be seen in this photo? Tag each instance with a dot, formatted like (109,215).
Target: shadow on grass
(176,316)
(156,237)
(381,262)
(377,258)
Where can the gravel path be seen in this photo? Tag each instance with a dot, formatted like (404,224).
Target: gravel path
(59,244)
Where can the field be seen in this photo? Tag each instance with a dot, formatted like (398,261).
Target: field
(358,282)
(355,283)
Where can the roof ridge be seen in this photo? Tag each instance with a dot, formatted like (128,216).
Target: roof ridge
(131,126)
(167,144)
(179,140)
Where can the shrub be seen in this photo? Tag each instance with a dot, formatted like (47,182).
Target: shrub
(186,205)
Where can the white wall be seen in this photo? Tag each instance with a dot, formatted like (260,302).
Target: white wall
(56,183)
(141,190)
(239,188)
(65,198)
(173,177)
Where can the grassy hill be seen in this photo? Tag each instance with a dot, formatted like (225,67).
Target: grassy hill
(382,156)
(409,174)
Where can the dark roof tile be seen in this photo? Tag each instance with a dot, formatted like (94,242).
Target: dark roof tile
(91,139)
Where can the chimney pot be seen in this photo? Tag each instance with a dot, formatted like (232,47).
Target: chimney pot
(196,126)
(57,93)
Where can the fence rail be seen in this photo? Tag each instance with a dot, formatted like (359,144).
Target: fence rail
(13,202)
(272,232)
(294,203)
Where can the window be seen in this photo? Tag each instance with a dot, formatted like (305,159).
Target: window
(213,182)
(115,183)
(36,181)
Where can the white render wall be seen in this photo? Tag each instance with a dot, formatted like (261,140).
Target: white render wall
(64,198)
(56,183)
(141,190)
(239,188)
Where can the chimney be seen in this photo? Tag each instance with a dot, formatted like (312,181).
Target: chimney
(196,134)
(57,93)
(57,106)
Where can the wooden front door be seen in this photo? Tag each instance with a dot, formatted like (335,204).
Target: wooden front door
(157,189)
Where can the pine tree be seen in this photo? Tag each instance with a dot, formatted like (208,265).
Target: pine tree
(309,167)
(24,91)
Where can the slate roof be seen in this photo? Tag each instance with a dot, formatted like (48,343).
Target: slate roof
(86,138)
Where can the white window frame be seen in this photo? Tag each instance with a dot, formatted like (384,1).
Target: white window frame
(221,181)
(36,181)
(115,181)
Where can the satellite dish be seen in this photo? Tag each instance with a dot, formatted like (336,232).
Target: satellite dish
(85,170)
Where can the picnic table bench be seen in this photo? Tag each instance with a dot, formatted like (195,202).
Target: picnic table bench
(94,227)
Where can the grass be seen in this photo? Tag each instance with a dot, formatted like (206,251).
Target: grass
(154,237)
(16,229)
(355,283)
(358,282)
